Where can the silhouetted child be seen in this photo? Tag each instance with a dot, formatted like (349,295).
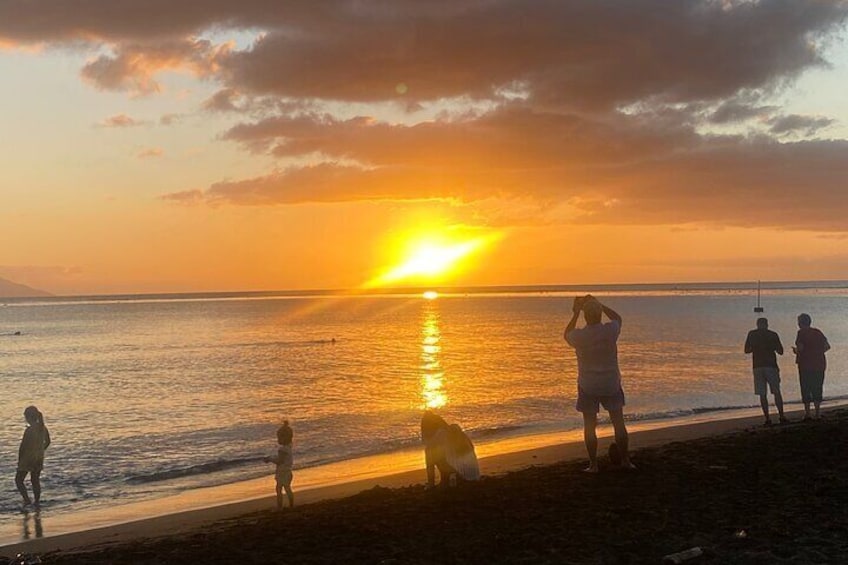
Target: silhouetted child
(31,454)
(284,461)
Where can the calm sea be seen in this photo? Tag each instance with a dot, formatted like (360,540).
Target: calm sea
(145,397)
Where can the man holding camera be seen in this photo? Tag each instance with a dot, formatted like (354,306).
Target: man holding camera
(598,375)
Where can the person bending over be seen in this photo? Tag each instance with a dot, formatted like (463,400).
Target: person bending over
(448,448)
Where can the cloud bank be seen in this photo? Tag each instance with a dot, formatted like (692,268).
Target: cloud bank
(645,111)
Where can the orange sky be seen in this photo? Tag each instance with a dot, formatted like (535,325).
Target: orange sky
(201,146)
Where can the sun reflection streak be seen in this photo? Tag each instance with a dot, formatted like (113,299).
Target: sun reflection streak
(432,375)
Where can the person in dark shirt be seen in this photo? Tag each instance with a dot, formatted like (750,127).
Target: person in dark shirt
(764,344)
(810,347)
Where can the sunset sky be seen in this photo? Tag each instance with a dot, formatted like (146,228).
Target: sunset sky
(161,146)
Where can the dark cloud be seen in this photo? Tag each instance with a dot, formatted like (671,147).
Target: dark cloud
(734,111)
(629,170)
(756,182)
(588,54)
(133,67)
(797,124)
(222,101)
(597,104)
(593,54)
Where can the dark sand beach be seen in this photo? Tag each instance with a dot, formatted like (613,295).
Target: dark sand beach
(762,495)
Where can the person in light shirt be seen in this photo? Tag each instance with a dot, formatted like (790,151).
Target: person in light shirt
(598,376)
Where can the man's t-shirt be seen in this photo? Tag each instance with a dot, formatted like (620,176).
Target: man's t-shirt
(597,357)
(763,343)
(811,345)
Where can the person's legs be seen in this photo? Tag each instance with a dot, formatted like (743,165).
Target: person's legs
(590,437)
(622,439)
(279,495)
(765,407)
(289,493)
(818,392)
(773,377)
(35,479)
(761,389)
(806,396)
(778,401)
(19,482)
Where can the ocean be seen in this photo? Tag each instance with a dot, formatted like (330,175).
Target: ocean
(150,396)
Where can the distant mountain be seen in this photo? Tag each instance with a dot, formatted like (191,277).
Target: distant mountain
(9,289)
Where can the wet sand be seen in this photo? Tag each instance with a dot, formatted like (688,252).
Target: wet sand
(741,492)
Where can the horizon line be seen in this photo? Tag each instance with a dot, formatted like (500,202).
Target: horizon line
(454,289)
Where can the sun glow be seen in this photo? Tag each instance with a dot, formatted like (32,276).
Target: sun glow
(433,258)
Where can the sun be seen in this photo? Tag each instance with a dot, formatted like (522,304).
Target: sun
(431,258)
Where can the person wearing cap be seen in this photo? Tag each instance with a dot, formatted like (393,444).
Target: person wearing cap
(764,345)
(598,375)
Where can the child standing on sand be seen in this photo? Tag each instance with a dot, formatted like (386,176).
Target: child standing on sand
(31,454)
(284,461)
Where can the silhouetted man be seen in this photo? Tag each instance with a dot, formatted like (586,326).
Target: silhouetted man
(810,347)
(598,375)
(763,344)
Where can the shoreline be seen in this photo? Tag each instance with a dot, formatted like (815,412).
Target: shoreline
(158,518)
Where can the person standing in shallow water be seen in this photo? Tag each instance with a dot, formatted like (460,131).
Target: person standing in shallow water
(598,375)
(284,462)
(763,343)
(31,454)
(810,347)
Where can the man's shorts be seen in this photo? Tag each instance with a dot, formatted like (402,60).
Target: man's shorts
(763,375)
(591,404)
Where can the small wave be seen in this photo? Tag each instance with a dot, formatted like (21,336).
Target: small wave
(682,412)
(199,469)
(496,430)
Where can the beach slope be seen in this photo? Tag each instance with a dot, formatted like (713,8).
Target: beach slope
(761,495)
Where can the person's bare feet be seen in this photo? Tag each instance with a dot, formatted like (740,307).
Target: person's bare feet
(592,469)
(627,465)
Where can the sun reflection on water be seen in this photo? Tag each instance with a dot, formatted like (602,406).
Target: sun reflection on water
(432,376)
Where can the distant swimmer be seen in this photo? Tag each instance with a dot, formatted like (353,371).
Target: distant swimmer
(31,454)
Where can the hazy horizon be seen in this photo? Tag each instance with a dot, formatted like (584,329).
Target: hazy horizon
(457,289)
